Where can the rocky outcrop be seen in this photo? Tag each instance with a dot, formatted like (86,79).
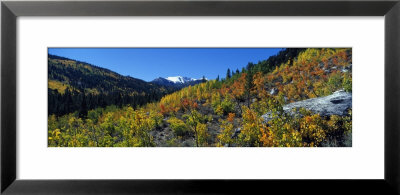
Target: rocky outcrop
(336,104)
(236,133)
(347,68)
(274,91)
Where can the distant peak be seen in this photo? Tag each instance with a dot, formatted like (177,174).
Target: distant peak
(180,79)
(177,81)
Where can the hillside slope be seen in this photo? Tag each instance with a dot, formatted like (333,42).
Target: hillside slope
(229,112)
(85,86)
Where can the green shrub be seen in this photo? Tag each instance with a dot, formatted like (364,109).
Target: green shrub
(347,84)
(178,126)
(227,105)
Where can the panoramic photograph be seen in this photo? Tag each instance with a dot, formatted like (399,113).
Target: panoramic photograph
(199,97)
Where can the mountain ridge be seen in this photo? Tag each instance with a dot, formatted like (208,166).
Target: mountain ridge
(177,81)
(77,86)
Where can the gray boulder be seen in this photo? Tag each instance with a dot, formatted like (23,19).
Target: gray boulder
(274,91)
(347,68)
(336,104)
(236,133)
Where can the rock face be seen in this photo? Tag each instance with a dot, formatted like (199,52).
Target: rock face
(336,104)
(273,91)
(236,133)
(347,68)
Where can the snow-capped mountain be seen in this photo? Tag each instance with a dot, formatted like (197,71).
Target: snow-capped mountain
(180,79)
(177,81)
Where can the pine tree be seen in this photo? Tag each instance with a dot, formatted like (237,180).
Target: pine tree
(228,74)
(83,109)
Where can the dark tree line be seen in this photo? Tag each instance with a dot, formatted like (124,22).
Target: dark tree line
(282,56)
(75,101)
(268,65)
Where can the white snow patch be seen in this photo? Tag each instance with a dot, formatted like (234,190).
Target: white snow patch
(181,79)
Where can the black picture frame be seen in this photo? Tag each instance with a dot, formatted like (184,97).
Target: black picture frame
(10,10)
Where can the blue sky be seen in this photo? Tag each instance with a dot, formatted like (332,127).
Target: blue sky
(151,63)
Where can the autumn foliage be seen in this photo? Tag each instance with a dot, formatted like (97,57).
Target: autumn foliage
(225,112)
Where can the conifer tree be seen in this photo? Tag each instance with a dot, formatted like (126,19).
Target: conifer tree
(228,74)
